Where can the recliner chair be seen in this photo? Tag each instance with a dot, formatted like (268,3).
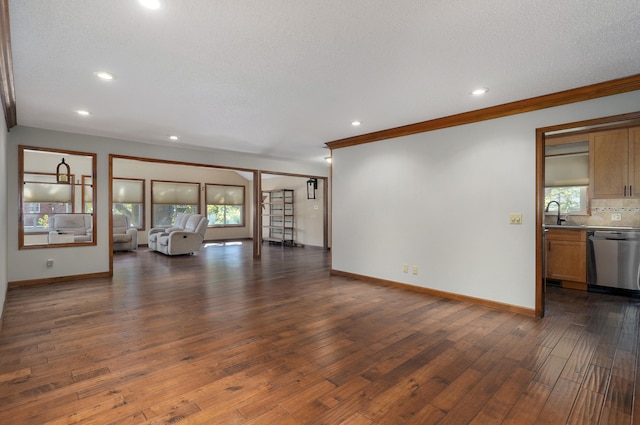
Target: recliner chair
(184,237)
(125,237)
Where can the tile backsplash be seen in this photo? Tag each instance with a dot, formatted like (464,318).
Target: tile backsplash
(601,214)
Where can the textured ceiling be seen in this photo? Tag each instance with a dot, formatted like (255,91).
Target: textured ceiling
(282,77)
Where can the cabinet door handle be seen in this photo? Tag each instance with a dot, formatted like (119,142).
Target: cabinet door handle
(630,190)
(625,190)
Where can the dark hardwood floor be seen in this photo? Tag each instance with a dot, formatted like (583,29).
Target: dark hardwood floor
(218,338)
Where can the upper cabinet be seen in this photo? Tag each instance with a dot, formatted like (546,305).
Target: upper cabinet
(615,163)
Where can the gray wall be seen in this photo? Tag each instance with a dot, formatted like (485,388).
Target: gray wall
(30,264)
(441,201)
(3,214)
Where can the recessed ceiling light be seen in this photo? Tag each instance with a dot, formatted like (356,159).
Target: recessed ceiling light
(104,75)
(173,137)
(83,112)
(480,91)
(151,4)
(355,123)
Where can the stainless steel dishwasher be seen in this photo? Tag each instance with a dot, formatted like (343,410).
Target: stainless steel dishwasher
(614,260)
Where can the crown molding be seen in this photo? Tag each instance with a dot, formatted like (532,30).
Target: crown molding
(607,88)
(7,89)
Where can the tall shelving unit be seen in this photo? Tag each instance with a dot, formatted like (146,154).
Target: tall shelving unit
(277,216)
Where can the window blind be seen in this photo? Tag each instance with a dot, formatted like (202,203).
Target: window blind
(46,192)
(128,191)
(175,193)
(224,195)
(567,170)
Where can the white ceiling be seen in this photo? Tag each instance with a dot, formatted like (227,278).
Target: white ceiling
(282,77)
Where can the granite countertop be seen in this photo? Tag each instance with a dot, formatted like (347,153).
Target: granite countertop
(587,227)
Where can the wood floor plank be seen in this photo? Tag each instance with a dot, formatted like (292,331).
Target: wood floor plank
(550,371)
(587,408)
(615,417)
(219,338)
(422,383)
(580,357)
(597,379)
(619,394)
(526,410)
(456,390)
(357,419)
(500,404)
(559,403)
(476,397)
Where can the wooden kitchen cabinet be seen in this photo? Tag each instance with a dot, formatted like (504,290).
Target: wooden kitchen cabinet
(615,163)
(566,257)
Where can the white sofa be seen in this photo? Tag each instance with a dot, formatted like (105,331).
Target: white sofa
(185,236)
(125,237)
(70,228)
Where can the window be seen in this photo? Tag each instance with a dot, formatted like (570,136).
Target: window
(572,199)
(566,177)
(171,198)
(43,197)
(128,200)
(50,207)
(225,205)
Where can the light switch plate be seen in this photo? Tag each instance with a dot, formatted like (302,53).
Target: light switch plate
(515,218)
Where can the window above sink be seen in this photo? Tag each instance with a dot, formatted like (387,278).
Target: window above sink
(567,177)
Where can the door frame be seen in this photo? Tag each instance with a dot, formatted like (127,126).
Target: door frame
(625,120)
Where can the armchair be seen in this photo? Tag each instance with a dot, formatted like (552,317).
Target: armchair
(184,237)
(125,238)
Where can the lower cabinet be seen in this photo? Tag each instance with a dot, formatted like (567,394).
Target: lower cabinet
(566,257)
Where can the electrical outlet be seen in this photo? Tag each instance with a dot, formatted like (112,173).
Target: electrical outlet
(405,268)
(616,217)
(414,269)
(50,262)
(515,218)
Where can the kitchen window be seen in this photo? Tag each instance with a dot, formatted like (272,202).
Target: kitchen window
(572,199)
(567,177)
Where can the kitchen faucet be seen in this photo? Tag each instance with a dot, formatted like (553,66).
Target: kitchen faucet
(559,220)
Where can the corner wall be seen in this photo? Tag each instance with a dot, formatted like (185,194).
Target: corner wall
(3,215)
(441,201)
(30,264)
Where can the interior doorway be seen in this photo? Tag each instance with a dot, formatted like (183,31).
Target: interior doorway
(542,135)
(306,223)
(141,174)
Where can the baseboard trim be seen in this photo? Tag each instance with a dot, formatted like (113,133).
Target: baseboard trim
(58,279)
(437,293)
